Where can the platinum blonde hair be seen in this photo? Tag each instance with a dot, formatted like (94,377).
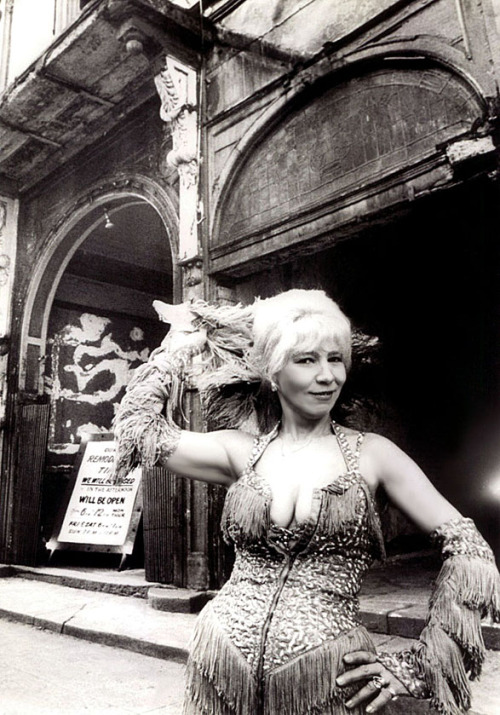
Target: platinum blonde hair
(296,319)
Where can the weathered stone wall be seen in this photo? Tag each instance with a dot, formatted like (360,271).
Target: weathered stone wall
(137,147)
(254,124)
(349,135)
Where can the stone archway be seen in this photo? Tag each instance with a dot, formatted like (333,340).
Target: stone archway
(70,296)
(352,144)
(79,222)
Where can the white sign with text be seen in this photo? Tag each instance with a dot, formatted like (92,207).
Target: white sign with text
(99,511)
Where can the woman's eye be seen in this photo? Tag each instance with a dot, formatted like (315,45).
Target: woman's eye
(335,358)
(304,360)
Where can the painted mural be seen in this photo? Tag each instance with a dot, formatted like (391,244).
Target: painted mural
(91,358)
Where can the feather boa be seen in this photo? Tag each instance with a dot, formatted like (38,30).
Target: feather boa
(214,357)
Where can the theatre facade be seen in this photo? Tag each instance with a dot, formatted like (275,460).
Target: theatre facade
(232,149)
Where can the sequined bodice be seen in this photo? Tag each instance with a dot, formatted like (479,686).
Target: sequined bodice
(301,582)
(273,640)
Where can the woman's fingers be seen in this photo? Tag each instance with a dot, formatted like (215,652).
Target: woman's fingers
(384,697)
(373,688)
(374,681)
(358,657)
(362,672)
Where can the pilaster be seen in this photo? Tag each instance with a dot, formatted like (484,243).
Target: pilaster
(6,10)
(177,87)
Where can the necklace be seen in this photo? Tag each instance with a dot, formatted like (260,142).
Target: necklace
(292,450)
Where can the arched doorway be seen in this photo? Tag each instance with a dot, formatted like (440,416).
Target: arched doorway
(88,321)
(101,326)
(350,188)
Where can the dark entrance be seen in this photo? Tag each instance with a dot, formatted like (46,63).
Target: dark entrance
(426,282)
(101,327)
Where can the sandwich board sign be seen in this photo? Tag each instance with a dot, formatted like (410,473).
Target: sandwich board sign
(98,514)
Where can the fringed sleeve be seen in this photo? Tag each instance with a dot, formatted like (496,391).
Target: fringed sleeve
(144,427)
(451,648)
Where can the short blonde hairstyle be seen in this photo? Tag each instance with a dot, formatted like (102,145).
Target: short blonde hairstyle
(296,318)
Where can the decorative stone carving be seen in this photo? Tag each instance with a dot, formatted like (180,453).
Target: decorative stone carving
(176,86)
(352,136)
(192,278)
(4,268)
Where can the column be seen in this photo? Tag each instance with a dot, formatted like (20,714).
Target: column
(177,87)
(8,236)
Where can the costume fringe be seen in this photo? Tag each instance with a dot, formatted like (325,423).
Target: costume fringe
(223,339)
(308,684)
(247,508)
(477,584)
(444,670)
(340,510)
(219,679)
(452,644)
(141,431)
(373,521)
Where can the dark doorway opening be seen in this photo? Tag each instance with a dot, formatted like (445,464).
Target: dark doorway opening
(425,280)
(102,326)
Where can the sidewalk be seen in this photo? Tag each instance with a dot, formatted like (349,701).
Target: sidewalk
(121,609)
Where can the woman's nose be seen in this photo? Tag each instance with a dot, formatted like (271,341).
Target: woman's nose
(325,373)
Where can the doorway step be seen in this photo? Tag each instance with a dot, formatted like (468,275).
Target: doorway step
(131,582)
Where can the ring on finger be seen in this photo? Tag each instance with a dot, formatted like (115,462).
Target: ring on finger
(393,693)
(377,682)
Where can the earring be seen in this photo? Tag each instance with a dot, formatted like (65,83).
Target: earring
(274,386)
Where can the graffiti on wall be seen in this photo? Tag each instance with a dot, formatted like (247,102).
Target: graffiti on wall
(91,360)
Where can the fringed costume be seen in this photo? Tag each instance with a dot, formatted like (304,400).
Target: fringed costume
(451,646)
(272,641)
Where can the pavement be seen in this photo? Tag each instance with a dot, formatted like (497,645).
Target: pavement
(44,673)
(122,610)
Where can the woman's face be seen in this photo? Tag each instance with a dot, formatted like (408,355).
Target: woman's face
(310,382)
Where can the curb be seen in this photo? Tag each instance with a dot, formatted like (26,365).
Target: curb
(115,640)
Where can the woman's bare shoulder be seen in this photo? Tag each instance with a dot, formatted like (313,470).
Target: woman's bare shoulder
(377,440)
(380,448)
(371,440)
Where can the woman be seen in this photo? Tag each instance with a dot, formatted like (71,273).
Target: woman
(283,636)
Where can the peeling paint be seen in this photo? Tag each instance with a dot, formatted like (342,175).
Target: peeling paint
(91,360)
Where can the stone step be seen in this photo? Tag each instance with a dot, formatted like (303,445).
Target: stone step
(96,616)
(393,601)
(120,583)
(178,600)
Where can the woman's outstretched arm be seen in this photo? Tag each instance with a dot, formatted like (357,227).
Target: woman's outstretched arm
(450,649)
(217,457)
(146,425)
(405,484)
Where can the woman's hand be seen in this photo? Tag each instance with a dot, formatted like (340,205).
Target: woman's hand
(378,685)
(185,341)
